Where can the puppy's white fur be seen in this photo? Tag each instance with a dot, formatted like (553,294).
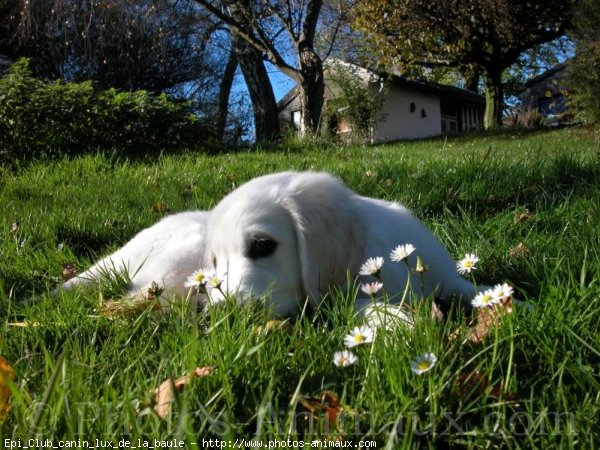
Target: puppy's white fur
(323,232)
(166,253)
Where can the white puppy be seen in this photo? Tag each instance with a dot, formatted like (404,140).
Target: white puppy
(295,235)
(166,253)
(291,236)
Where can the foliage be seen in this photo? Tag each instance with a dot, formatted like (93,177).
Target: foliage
(526,203)
(39,117)
(584,68)
(485,35)
(140,44)
(356,101)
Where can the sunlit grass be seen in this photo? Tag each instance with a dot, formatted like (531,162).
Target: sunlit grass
(527,205)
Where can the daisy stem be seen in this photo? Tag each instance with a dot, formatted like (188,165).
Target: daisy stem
(369,364)
(474,282)
(407,287)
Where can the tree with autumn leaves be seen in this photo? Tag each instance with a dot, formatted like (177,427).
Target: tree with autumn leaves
(485,36)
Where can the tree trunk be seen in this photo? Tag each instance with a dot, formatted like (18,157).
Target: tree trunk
(312,86)
(494,100)
(264,106)
(224,92)
(312,89)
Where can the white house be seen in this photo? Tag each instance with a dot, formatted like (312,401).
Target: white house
(411,109)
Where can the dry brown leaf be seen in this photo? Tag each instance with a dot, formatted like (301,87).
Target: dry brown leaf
(129,307)
(163,395)
(68,271)
(436,312)
(326,405)
(519,251)
(488,319)
(523,216)
(160,208)
(6,373)
(14,227)
(476,383)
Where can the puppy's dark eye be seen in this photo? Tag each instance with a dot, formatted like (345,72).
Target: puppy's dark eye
(261,247)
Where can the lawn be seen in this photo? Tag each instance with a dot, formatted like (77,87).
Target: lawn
(527,204)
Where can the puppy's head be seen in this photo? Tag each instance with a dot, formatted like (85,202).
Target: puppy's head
(289,236)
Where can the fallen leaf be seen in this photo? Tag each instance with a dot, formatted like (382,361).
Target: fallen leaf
(128,307)
(160,208)
(163,395)
(488,319)
(436,312)
(522,216)
(6,373)
(519,251)
(14,227)
(68,271)
(326,405)
(484,322)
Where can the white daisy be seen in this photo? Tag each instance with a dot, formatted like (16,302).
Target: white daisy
(371,288)
(199,278)
(502,291)
(423,363)
(344,358)
(372,266)
(402,252)
(467,264)
(483,299)
(359,335)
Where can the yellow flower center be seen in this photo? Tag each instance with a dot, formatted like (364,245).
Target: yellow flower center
(423,365)
(359,337)
(199,277)
(486,299)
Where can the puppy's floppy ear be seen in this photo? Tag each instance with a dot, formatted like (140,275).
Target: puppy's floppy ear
(331,234)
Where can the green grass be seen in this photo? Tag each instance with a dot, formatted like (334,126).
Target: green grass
(81,376)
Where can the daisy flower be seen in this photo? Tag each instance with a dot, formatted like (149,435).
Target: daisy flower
(344,358)
(402,252)
(359,335)
(483,299)
(502,291)
(467,264)
(199,278)
(371,288)
(213,281)
(372,266)
(423,363)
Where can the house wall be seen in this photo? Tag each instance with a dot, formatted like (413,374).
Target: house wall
(286,114)
(398,122)
(547,95)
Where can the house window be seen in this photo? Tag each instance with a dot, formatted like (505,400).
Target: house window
(449,113)
(296,119)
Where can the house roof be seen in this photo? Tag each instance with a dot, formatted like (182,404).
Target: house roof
(548,73)
(442,90)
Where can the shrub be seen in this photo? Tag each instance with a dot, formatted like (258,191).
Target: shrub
(522,118)
(53,118)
